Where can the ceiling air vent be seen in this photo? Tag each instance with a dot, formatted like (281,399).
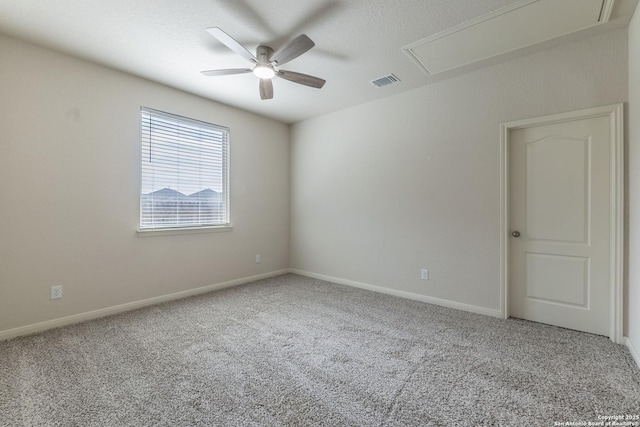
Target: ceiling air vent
(385,81)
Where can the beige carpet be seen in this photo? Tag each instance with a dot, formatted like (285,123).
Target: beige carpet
(293,351)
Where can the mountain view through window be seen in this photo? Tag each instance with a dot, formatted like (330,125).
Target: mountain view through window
(184,172)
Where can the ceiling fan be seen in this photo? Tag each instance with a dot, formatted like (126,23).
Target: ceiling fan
(266,62)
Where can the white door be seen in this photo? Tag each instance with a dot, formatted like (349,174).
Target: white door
(560,223)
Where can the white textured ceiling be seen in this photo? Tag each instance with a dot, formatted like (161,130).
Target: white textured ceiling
(165,41)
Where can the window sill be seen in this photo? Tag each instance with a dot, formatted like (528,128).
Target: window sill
(154,232)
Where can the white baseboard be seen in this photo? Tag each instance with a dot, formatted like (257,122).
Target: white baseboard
(635,351)
(81,317)
(402,294)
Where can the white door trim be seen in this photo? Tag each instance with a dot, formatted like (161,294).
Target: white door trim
(615,114)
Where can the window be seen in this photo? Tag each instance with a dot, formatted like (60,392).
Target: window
(185,172)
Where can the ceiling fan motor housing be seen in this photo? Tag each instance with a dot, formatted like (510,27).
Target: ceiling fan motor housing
(263,54)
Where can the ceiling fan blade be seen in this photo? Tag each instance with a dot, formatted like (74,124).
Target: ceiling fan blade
(231,43)
(303,79)
(320,14)
(249,15)
(266,89)
(293,49)
(226,72)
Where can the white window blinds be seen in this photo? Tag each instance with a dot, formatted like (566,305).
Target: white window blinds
(185,172)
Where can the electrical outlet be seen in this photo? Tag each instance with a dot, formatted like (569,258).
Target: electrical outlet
(424,274)
(56,292)
(258,259)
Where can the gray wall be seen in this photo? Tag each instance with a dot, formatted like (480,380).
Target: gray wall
(633,117)
(381,190)
(69,193)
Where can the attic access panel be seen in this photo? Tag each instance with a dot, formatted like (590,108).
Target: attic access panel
(522,24)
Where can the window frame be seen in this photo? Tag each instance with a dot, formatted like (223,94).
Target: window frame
(224,165)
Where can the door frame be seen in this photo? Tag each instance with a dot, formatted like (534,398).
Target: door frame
(615,114)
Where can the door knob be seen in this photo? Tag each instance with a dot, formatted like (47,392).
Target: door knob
(516,234)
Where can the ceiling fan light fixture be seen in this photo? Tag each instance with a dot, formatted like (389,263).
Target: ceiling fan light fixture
(266,62)
(264,71)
